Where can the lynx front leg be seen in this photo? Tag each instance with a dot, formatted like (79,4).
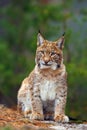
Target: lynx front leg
(60,103)
(37,107)
(24,104)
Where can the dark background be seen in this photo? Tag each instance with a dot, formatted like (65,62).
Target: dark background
(20,21)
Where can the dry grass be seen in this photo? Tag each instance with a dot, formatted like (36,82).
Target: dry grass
(10,119)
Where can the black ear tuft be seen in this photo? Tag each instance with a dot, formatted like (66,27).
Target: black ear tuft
(63,34)
(39,31)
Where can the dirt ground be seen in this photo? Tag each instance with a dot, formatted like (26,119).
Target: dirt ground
(11,118)
(15,121)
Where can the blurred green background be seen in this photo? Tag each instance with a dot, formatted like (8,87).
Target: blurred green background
(20,21)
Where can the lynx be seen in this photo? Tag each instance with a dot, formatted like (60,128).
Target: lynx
(43,93)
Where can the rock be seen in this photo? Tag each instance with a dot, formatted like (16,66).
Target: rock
(68,126)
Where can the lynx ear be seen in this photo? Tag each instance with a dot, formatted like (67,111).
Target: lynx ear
(60,42)
(40,39)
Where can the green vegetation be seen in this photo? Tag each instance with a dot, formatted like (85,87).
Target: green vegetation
(20,23)
(7,128)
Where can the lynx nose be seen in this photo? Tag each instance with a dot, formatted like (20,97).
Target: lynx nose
(46,60)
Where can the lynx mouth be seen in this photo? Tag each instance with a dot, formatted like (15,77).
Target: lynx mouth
(46,64)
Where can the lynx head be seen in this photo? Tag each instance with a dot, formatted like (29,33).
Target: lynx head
(49,55)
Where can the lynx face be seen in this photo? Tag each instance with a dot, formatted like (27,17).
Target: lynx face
(49,54)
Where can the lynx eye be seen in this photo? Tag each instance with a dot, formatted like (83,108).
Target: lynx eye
(42,52)
(58,55)
(52,53)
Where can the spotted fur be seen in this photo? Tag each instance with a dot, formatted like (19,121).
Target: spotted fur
(43,93)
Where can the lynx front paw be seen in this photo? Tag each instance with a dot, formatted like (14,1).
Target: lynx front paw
(36,116)
(27,114)
(61,118)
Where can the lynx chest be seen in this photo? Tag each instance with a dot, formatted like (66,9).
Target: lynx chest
(48,90)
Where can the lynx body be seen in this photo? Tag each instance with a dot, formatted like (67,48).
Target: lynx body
(43,93)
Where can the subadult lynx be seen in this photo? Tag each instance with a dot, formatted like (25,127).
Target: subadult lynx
(43,93)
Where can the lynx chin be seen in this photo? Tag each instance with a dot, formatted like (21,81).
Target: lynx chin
(43,94)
